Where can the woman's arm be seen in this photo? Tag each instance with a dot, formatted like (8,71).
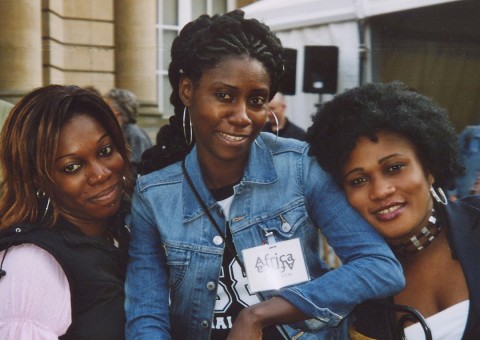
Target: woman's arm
(369,268)
(34,295)
(251,320)
(146,286)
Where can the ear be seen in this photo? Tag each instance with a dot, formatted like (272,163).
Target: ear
(430,179)
(185,91)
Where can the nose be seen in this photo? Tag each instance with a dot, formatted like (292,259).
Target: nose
(97,173)
(381,188)
(239,115)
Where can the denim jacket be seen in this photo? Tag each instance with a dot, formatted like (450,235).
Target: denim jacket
(175,256)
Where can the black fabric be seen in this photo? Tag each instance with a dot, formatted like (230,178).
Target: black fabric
(290,130)
(223,193)
(95,270)
(463,232)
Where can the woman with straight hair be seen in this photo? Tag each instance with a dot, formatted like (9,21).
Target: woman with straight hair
(63,240)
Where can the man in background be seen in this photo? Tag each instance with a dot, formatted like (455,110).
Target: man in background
(285,128)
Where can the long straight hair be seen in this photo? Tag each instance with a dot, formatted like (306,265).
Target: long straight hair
(29,141)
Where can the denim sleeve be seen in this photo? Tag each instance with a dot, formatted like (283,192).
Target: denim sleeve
(369,269)
(146,287)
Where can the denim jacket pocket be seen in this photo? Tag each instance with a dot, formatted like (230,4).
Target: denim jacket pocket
(178,260)
(289,223)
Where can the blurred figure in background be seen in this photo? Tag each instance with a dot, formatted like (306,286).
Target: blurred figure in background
(281,126)
(469,144)
(125,106)
(5,108)
(93,89)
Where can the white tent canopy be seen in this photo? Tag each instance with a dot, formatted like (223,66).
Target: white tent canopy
(289,14)
(299,23)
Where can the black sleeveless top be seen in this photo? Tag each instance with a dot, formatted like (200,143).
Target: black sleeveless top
(95,270)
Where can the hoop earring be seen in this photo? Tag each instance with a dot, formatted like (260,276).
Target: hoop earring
(276,120)
(440,197)
(189,141)
(41,194)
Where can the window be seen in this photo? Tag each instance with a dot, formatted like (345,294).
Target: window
(172,16)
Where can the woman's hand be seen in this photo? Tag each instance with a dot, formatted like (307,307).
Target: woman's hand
(250,322)
(247,326)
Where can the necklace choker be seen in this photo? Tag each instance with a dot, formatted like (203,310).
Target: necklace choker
(420,241)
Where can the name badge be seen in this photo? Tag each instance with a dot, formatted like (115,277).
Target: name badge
(273,266)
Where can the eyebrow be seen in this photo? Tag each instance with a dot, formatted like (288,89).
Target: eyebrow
(380,161)
(106,135)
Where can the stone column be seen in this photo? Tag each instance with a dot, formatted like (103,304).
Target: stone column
(20,47)
(135,48)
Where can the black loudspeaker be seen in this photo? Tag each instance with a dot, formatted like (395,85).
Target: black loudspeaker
(320,69)
(289,78)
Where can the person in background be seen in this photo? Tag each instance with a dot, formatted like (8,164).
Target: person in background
(93,89)
(278,123)
(125,106)
(225,195)
(392,151)
(469,182)
(5,108)
(63,240)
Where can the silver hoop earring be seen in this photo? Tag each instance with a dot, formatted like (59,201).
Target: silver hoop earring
(41,194)
(440,197)
(188,140)
(276,120)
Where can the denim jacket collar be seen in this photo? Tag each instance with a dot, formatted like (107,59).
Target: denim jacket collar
(260,169)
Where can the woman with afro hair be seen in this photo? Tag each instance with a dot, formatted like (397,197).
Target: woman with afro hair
(392,150)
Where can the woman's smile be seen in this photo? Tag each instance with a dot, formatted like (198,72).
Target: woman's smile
(232,138)
(108,196)
(389,212)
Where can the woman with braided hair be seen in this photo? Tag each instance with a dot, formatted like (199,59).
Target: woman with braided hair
(225,224)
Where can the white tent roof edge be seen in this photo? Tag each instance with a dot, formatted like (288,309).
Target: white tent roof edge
(289,14)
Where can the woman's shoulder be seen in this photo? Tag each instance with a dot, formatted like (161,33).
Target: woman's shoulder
(168,175)
(281,144)
(43,307)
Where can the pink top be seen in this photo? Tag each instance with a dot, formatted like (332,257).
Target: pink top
(34,295)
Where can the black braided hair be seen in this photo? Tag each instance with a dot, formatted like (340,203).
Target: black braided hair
(201,45)
(365,110)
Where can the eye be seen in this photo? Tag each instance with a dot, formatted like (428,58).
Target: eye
(106,151)
(224,96)
(394,168)
(258,101)
(71,168)
(357,181)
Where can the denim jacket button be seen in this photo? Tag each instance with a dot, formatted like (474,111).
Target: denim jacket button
(211,285)
(204,324)
(218,240)
(286,227)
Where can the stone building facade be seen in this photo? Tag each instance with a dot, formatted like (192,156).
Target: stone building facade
(100,43)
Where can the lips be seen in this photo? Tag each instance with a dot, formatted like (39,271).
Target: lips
(107,196)
(388,212)
(231,138)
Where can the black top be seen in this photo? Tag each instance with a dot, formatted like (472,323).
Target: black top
(290,130)
(95,269)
